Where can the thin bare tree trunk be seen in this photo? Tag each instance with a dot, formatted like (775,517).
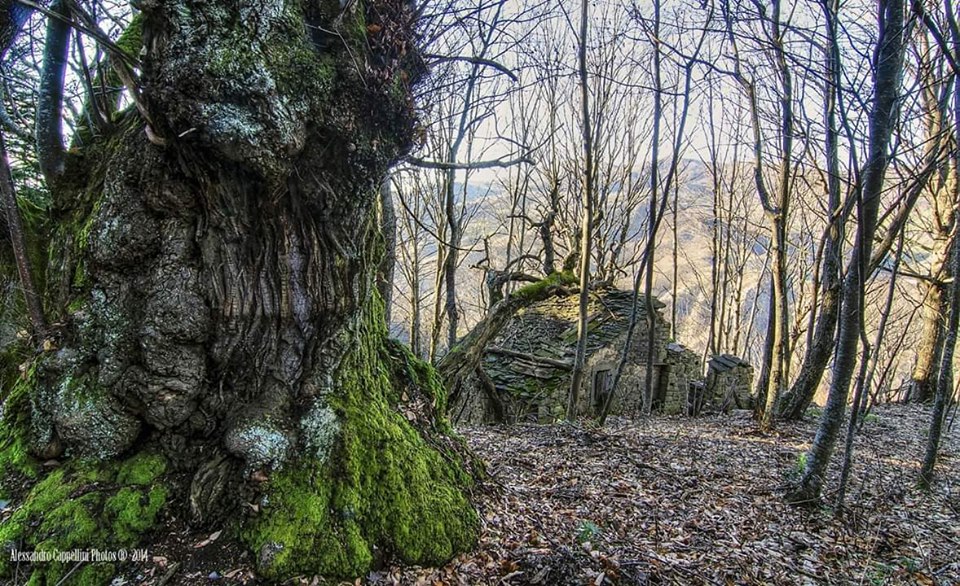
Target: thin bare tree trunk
(416,319)
(820,348)
(715,234)
(780,220)
(858,397)
(19,244)
(881,329)
(776,212)
(871,354)
(436,328)
(451,260)
(670,179)
(453,218)
(653,222)
(50,151)
(676,279)
(586,228)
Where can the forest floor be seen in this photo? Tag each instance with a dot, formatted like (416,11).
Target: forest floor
(687,501)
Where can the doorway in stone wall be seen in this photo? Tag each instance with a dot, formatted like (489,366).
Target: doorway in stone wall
(602,387)
(661,384)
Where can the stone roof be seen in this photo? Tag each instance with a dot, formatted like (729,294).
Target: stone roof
(725,362)
(538,345)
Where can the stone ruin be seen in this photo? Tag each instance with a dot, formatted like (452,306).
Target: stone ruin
(525,374)
(729,382)
(684,378)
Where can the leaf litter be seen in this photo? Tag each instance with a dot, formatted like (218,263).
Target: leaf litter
(672,500)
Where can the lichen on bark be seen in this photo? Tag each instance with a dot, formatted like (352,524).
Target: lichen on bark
(215,304)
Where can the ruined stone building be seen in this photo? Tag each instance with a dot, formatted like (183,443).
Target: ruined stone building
(728,383)
(526,371)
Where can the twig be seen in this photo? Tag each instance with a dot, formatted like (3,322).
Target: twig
(68,574)
(502,162)
(170,573)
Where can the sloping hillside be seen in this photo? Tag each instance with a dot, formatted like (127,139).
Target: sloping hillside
(697,501)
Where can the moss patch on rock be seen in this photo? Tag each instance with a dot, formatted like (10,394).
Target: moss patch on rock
(14,425)
(394,486)
(107,506)
(142,469)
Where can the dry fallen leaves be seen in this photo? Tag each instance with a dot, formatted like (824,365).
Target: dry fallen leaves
(699,501)
(213,537)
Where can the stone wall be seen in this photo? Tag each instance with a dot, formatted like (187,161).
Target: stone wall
(683,367)
(530,362)
(729,383)
(628,396)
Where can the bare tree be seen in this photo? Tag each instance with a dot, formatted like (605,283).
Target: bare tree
(776,210)
(936,105)
(586,234)
(888,63)
(945,380)
(15,16)
(827,285)
(14,230)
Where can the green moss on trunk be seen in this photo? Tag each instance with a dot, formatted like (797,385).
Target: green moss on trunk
(393,486)
(207,299)
(15,459)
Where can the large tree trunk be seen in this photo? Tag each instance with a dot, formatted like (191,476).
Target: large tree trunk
(945,380)
(923,377)
(221,310)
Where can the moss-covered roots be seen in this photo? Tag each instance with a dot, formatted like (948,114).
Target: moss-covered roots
(84,506)
(391,484)
(389,490)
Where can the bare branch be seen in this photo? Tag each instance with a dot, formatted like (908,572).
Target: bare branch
(474,61)
(502,162)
